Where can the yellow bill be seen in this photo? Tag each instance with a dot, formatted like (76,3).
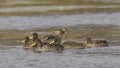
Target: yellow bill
(23,41)
(52,42)
(33,44)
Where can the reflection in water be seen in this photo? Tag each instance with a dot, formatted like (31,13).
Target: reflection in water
(16,57)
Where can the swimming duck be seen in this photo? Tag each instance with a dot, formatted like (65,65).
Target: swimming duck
(96,43)
(49,38)
(37,43)
(47,47)
(26,42)
(56,46)
(102,43)
(73,45)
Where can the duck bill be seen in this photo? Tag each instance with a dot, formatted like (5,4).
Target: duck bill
(52,42)
(33,44)
(31,37)
(23,41)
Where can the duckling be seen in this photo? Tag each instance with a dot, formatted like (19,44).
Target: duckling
(48,38)
(96,43)
(73,45)
(26,43)
(61,32)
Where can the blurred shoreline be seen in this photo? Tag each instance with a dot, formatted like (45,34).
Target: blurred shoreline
(56,10)
(46,7)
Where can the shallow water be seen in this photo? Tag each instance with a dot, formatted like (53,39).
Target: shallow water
(16,57)
(26,22)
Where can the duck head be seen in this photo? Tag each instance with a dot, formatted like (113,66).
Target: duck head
(34,36)
(26,39)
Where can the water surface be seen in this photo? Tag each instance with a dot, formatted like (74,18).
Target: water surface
(16,57)
(29,22)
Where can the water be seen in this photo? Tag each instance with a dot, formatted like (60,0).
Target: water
(28,22)
(16,57)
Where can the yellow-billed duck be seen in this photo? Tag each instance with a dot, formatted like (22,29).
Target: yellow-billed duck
(49,38)
(26,42)
(96,43)
(47,47)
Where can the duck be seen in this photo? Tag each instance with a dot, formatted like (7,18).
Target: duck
(26,42)
(35,41)
(47,47)
(60,32)
(49,38)
(73,45)
(36,44)
(55,46)
(96,43)
(102,43)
